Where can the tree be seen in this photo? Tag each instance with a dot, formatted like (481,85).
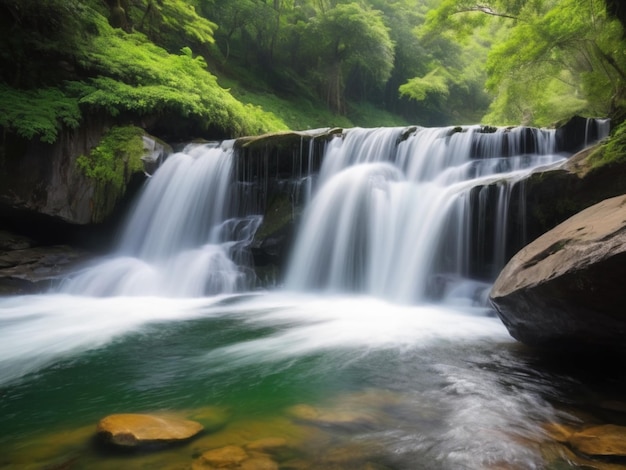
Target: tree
(346,39)
(558,58)
(450,85)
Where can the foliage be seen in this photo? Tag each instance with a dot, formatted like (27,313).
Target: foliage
(116,157)
(349,39)
(171,23)
(434,82)
(364,114)
(556,58)
(127,73)
(451,82)
(306,63)
(612,150)
(144,79)
(297,113)
(37,113)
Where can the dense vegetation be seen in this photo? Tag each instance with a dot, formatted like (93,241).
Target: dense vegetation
(165,64)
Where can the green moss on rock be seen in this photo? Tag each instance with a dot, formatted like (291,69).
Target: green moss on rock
(612,151)
(116,157)
(111,165)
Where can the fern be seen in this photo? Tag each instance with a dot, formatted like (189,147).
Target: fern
(37,113)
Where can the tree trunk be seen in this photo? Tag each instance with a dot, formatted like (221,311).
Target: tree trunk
(334,96)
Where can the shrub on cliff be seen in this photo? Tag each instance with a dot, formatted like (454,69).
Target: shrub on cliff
(58,66)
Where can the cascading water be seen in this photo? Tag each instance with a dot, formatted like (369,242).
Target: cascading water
(392,215)
(286,379)
(399,213)
(183,237)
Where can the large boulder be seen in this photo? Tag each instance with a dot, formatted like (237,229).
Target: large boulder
(566,289)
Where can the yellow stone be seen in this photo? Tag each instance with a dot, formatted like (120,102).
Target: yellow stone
(558,432)
(267,444)
(224,457)
(259,463)
(607,440)
(131,430)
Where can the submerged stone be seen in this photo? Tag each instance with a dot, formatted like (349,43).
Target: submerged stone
(259,463)
(334,417)
(606,440)
(223,457)
(268,444)
(135,430)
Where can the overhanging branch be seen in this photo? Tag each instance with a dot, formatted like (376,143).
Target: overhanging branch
(488,11)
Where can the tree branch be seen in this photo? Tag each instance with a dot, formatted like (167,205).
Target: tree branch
(488,11)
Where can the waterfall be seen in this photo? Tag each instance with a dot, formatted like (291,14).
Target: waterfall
(408,214)
(395,213)
(183,237)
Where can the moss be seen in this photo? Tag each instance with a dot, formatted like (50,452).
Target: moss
(116,157)
(37,113)
(282,139)
(111,164)
(612,151)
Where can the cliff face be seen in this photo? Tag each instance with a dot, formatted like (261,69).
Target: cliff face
(53,180)
(57,199)
(47,185)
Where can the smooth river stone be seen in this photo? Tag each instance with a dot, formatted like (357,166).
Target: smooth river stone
(606,440)
(134,430)
(224,457)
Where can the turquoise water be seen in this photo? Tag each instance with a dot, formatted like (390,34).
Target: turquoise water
(390,386)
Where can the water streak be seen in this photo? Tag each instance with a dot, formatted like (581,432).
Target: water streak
(183,237)
(393,216)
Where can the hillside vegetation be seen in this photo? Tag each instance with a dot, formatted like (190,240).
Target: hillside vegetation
(227,68)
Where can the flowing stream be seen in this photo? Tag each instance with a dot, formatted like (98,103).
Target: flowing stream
(378,351)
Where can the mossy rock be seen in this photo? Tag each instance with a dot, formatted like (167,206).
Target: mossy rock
(110,166)
(283,139)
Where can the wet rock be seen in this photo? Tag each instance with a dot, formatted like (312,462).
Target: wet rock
(46,179)
(137,430)
(155,153)
(35,269)
(11,241)
(576,133)
(606,440)
(211,417)
(547,197)
(234,458)
(259,463)
(558,432)
(565,289)
(267,445)
(334,417)
(274,238)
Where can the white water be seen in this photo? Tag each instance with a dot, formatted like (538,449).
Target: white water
(60,326)
(182,239)
(392,218)
(391,215)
